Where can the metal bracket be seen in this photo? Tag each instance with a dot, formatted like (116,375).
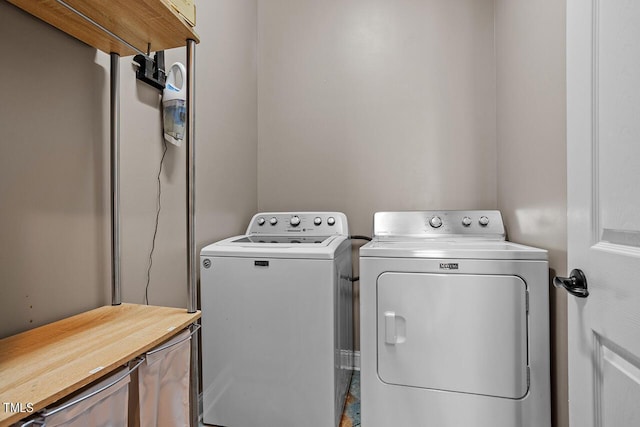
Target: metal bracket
(151,71)
(575,284)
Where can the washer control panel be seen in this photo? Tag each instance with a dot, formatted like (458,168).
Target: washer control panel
(434,224)
(308,223)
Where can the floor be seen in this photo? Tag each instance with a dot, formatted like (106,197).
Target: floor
(351,415)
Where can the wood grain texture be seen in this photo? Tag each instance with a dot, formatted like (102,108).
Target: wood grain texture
(42,365)
(141,23)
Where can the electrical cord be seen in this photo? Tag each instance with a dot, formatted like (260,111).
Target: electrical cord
(155,230)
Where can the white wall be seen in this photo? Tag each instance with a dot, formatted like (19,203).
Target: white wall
(369,105)
(226,153)
(53,174)
(54,165)
(531,138)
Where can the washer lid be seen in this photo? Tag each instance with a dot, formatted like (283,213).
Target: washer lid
(442,249)
(264,246)
(283,240)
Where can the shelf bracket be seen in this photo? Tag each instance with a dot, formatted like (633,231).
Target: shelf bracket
(151,70)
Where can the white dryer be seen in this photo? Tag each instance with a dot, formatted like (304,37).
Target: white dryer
(454,323)
(277,322)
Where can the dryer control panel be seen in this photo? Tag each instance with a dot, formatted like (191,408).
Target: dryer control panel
(305,223)
(436,224)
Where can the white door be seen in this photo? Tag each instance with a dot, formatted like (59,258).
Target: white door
(603,113)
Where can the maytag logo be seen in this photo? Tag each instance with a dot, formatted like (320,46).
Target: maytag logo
(449,266)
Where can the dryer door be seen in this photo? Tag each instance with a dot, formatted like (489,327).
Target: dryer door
(453,332)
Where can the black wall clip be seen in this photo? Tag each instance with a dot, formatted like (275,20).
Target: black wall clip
(151,71)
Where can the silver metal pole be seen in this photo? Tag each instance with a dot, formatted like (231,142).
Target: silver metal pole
(192,259)
(116,298)
(194,379)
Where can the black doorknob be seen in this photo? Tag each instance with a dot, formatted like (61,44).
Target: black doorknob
(575,284)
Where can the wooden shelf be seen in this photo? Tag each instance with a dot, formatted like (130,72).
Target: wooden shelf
(139,22)
(44,364)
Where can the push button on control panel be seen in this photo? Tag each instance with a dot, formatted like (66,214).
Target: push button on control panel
(273,220)
(435,222)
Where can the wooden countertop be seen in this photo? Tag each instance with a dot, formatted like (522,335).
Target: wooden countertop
(140,23)
(44,364)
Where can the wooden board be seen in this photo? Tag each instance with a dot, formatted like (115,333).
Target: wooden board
(44,364)
(139,22)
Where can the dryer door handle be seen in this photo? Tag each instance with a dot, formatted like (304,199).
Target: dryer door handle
(395,328)
(390,331)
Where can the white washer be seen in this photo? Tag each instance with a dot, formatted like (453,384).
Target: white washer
(277,322)
(454,323)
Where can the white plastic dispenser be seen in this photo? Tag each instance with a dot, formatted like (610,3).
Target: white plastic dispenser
(174,104)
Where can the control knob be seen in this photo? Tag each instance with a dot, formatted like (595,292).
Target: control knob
(435,222)
(466,221)
(317,220)
(484,221)
(261,221)
(273,220)
(295,221)
(331,220)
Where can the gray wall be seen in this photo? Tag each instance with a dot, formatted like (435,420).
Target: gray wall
(372,105)
(54,165)
(531,140)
